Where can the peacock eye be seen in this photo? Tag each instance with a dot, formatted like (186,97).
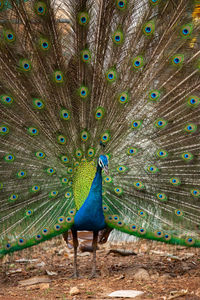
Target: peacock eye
(83,18)
(57,227)
(161,153)
(105,137)
(45,231)
(178,212)
(4,130)
(118,37)
(149,28)
(85,135)
(175,181)
(83,92)
(142,213)
(50,171)
(138,185)
(68,195)
(160,123)
(142,231)
(154,95)
(108,179)
(161,196)
(186,30)
(111,75)
(136,124)
(193,101)
(118,190)
(177,60)
(25,65)
(121,169)
(58,77)
(152,169)
(195,192)
(9,35)
(38,104)
(21,241)
(121,4)
(7,100)
(99,113)
(21,174)
(138,62)
(190,128)
(9,158)
(190,241)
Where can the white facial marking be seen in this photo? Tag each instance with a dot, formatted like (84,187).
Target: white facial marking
(101,164)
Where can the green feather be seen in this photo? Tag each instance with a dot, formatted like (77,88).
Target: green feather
(83,177)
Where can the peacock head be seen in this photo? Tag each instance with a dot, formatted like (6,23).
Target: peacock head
(103,163)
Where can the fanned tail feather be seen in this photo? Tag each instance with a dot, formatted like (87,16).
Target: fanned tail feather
(125,75)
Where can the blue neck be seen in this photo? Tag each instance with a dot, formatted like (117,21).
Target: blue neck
(97,184)
(90,215)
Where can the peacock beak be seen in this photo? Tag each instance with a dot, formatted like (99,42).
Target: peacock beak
(106,170)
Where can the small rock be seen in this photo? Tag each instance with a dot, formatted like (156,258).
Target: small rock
(74,291)
(51,273)
(141,274)
(60,252)
(41,264)
(126,294)
(120,277)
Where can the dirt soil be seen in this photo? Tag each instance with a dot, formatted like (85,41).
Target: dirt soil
(160,271)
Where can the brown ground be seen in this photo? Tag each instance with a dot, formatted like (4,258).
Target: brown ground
(167,272)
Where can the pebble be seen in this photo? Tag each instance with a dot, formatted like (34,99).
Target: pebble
(126,294)
(74,291)
(141,274)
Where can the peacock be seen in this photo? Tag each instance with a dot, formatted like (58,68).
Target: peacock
(99,121)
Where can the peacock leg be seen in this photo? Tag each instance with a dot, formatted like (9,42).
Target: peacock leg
(75,244)
(65,236)
(94,246)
